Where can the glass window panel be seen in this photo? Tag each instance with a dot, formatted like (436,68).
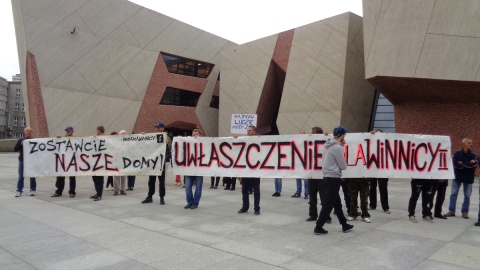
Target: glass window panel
(385,116)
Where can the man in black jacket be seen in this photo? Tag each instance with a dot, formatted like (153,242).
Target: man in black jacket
(19,148)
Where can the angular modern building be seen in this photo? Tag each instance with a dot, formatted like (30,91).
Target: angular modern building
(120,65)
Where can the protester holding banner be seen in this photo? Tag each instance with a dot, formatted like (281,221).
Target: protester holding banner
(333,162)
(382,189)
(159,127)
(193,199)
(355,186)
(424,186)
(60,183)
(27,132)
(249,183)
(98,180)
(298,193)
(464,163)
(119,181)
(278,187)
(440,189)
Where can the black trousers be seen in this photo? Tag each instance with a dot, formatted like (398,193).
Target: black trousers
(346,195)
(109,181)
(420,186)
(331,201)
(439,186)
(98,182)
(382,188)
(213,178)
(131,181)
(231,182)
(161,184)
(60,185)
(249,183)
(315,186)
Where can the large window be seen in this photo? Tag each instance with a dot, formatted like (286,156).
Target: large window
(185,66)
(15,121)
(179,97)
(383,115)
(24,122)
(17,106)
(23,107)
(17,93)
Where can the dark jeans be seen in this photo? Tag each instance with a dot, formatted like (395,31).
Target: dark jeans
(249,183)
(346,195)
(161,184)
(315,186)
(33,181)
(109,181)
(213,178)
(331,201)
(130,181)
(98,182)
(382,188)
(60,185)
(439,186)
(230,181)
(420,186)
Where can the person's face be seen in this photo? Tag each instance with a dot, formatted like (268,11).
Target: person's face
(69,132)
(251,131)
(468,144)
(28,132)
(313,131)
(196,134)
(161,129)
(99,132)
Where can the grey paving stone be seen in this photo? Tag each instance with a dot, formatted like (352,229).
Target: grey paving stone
(29,235)
(459,255)
(42,245)
(89,261)
(430,264)
(469,237)
(127,265)
(150,254)
(302,264)
(237,263)
(147,223)
(196,259)
(194,236)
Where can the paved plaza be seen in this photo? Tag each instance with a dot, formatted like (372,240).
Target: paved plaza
(121,233)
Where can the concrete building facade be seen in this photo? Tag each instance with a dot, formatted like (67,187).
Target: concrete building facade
(3,107)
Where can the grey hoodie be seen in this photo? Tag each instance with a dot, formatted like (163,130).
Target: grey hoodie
(333,161)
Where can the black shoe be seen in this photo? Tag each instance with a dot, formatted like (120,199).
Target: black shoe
(306,197)
(93,197)
(347,227)
(311,219)
(97,198)
(328,221)
(227,188)
(241,211)
(188,206)
(296,195)
(477,224)
(319,231)
(56,195)
(232,189)
(257,213)
(215,187)
(72,195)
(274,194)
(440,216)
(148,200)
(162,201)
(194,206)
(211,187)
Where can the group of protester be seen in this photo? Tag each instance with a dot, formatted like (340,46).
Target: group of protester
(465,163)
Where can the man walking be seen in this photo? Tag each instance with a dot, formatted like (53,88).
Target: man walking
(333,162)
(464,164)
(193,200)
(249,183)
(27,132)
(60,183)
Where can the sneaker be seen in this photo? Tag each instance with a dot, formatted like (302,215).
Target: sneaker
(319,231)
(477,223)
(274,194)
(123,192)
(98,198)
(412,219)
(215,187)
(257,213)
(347,227)
(241,211)
(311,219)
(72,195)
(296,195)
(18,194)
(464,215)
(211,187)
(56,195)
(428,219)
(440,216)
(194,206)
(306,197)
(367,220)
(148,200)
(349,218)
(450,214)
(33,193)
(227,188)
(115,193)
(232,189)
(387,212)
(162,201)
(188,206)
(93,196)
(329,221)
(178,184)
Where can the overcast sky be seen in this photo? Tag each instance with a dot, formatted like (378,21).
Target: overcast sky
(238,21)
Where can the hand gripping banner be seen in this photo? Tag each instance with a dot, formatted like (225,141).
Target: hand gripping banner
(384,155)
(139,154)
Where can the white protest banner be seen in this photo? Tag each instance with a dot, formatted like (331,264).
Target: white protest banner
(139,154)
(240,122)
(380,155)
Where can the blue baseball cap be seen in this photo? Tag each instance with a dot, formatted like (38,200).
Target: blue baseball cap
(339,131)
(69,128)
(160,125)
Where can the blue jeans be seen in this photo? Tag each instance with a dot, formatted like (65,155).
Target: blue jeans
(467,191)
(33,182)
(299,186)
(278,185)
(189,180)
